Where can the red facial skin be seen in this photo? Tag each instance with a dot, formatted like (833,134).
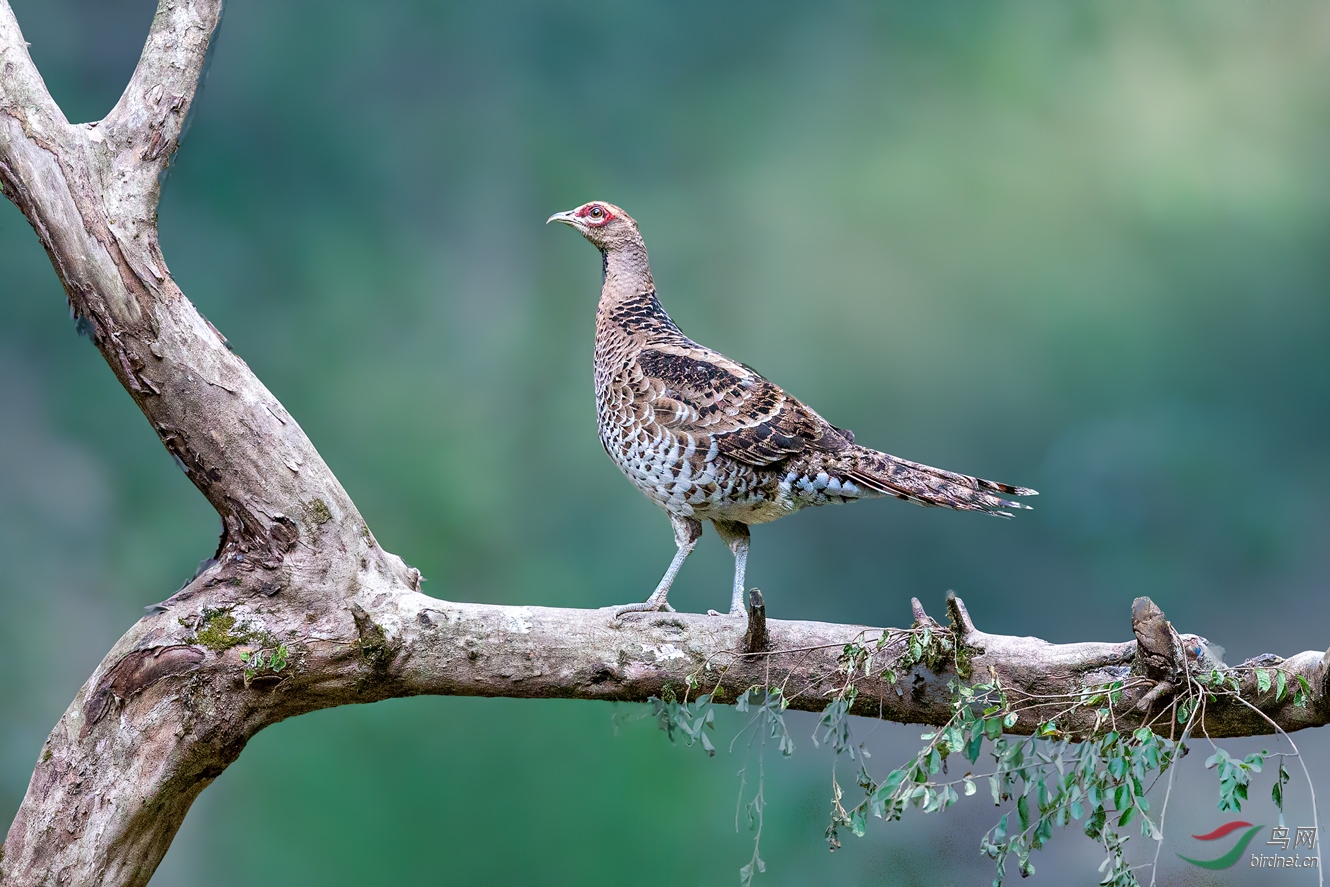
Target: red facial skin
(595,221)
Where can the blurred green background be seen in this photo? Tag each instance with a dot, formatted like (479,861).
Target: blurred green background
(1083,249)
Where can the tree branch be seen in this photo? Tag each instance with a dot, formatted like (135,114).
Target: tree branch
(22,92)
(302,610)
(138,139)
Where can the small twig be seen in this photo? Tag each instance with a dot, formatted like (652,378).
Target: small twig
(1162,688)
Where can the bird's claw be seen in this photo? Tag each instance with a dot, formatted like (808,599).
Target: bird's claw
(738,614)
(644,607)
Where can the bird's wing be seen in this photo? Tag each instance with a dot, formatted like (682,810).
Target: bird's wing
(694,390)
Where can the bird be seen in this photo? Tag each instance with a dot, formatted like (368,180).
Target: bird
(707,438)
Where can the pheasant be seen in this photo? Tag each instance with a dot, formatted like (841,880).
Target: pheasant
(708,438)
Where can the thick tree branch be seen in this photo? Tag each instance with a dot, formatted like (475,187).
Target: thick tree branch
(135,142)
(302,609)
(22,92)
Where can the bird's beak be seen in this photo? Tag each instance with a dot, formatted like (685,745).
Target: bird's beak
(566,217)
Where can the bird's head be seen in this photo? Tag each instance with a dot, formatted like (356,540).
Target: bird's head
(604,224)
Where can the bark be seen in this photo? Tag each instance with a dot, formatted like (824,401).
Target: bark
(299,576)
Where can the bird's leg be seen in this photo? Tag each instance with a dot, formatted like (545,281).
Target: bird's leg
(686,533)
(735,535)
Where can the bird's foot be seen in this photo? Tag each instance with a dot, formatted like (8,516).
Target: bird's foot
(644,607)
(737,613)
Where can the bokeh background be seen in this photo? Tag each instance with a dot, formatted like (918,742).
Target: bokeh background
(1083,249)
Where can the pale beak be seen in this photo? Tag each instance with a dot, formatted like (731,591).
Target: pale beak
(566,217)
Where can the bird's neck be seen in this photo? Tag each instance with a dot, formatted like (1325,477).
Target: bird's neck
(627,274)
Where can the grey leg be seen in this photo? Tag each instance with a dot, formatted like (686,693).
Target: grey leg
(686,533)
(735,535)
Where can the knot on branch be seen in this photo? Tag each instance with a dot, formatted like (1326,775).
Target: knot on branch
(921,617)
(265,546)
(756,640)
(372,643)
(962,632)
(1159,652)
(962,626)
(134,673)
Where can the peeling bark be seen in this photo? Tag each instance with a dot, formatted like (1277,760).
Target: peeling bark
(298,572)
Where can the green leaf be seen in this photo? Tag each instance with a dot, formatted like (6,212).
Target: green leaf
(1281,684)
(1094,826)
(1277,792)
(1263,680)
(746,873)
(974,746)
(969,786)
(1304,693)
(1043,831)
(1023,811)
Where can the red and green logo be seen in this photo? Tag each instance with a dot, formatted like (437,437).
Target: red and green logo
(1229,858)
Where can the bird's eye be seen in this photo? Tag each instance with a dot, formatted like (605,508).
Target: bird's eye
(596,212)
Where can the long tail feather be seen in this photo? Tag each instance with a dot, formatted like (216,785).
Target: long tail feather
(929,486)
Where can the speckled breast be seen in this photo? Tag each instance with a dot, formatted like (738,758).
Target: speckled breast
(683,473)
